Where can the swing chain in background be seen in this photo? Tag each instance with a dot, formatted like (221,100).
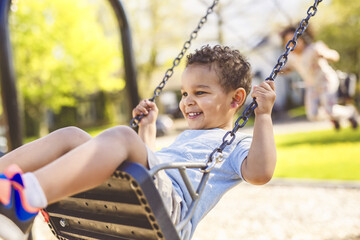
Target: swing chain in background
(169,72)
(290,46)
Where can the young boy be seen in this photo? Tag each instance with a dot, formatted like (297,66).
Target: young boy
(215,84)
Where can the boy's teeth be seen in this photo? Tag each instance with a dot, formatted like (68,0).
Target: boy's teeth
(193,114)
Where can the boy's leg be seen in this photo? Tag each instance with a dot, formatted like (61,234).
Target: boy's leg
(16,214)
(91,163)
(38,153)
(83,168)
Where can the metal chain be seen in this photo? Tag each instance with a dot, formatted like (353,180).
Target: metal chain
(290,46)
(216,155)
(135,121)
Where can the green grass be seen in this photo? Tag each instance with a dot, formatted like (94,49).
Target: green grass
(297,112)
(319,155)
(314,155)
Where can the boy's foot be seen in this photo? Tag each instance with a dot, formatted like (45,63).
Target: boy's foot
(336,124)
(16,216)
(354,123)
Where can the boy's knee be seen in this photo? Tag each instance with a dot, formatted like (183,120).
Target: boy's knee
(124,134)
(73,136)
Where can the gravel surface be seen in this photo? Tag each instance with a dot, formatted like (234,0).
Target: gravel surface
(280,210)
(285,210)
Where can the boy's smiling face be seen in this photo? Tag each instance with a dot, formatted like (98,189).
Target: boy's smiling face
(204,102)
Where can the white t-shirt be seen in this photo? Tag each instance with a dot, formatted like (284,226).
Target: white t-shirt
(196,146)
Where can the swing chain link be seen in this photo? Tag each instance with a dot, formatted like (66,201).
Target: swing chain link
(169,72)
(290,46)
(217,152)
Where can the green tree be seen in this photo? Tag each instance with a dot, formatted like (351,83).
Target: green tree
(159,30)
(61,52)
(339,26)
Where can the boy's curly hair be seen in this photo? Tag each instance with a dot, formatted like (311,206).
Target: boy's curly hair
(232,68)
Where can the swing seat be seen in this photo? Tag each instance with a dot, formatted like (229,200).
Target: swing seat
(126,206)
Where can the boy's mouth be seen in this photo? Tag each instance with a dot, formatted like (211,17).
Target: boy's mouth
(193,115)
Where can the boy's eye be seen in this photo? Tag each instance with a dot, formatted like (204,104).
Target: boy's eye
(184,94)
(200,93)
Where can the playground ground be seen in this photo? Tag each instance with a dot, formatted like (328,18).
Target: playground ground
(288,209)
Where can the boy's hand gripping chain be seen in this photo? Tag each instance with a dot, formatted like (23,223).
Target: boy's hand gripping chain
(135,121)
(216,156)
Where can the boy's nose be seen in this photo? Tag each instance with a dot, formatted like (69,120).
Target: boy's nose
(188,101)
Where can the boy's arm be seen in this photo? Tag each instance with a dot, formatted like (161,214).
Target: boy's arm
(259,166)
(147,125)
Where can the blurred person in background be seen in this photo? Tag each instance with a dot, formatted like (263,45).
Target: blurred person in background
(310,60)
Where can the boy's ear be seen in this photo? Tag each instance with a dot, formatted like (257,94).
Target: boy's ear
(238,98)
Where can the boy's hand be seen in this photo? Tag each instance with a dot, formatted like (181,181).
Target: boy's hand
(265,97)
(150,111)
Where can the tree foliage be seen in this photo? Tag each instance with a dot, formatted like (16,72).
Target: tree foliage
(61,52)
(339,27)
(159,30)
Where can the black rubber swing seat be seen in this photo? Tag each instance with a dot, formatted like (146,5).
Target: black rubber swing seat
(126,206)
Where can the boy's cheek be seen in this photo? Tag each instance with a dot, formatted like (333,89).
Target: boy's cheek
(181,106)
